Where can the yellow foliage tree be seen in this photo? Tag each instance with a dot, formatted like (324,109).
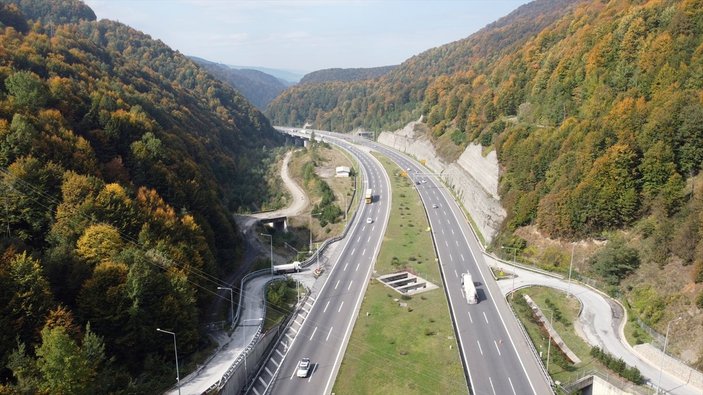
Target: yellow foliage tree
(99,243)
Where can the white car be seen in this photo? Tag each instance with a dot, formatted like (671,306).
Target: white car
(303,368)
(435,206)
(369,220)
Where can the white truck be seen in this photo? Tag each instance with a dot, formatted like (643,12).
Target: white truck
(287,268)
(469,288)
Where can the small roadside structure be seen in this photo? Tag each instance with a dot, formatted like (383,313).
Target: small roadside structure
(342,171)
(406,283)
(553,335)
(363,133)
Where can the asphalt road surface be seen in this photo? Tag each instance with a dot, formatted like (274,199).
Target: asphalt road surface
(597,325)
(496,355)
(331,313)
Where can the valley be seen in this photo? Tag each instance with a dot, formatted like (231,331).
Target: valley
(149,209)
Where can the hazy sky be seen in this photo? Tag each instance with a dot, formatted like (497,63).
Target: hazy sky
(305,35)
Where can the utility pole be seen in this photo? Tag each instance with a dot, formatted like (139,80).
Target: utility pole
(231,305)
(661,365)
(514,265)
(571,265)
(310,229)
(271,240)
(175,350)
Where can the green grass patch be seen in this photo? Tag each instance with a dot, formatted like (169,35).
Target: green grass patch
(499,274)
(633,331)
(281,296)
(349,192)
(303,168)
(567,309)
(400,344)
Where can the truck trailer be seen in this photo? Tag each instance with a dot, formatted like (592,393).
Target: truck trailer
(287,268)
(469,288)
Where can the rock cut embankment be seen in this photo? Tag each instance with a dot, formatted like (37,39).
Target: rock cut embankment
(473,177)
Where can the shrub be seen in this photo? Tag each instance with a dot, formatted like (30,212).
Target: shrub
(616,261)
(617,365)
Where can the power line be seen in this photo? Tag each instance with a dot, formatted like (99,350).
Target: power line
(156,257)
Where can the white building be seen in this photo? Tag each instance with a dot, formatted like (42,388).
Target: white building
(342,171)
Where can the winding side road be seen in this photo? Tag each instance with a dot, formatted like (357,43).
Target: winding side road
(300,199)
(598,323)
(230,347)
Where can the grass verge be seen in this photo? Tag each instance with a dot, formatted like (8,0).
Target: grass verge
(565,314)
(325,158)
(633,332)
(400,344)
(281,296)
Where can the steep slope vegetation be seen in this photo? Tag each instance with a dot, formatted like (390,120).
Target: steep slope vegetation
(258,87)
(394,99)
(598,123)
(345,75)
(120,162)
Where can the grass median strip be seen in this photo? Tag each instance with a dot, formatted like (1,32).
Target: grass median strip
(403,344)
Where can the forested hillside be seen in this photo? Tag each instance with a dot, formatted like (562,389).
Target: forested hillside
(120,164)
(345,75)
(598,124)
(258,87)
(596,113)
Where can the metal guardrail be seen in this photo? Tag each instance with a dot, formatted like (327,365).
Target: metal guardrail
(522,328)
(532,347)
(289,322)
(246,278)
(235,320)
(200,368)
(238,361)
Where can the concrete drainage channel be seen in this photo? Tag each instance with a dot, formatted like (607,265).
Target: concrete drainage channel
(406,283)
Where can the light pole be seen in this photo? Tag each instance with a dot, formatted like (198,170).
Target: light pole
(310,228)
(549,344)
(231,305)
(571,265)
(175,350)
(661,365)
(246,372)
(514,264)
(271,240)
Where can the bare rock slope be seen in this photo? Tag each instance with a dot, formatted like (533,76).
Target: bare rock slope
(473,177)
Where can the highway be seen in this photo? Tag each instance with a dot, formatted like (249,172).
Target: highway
(497,357)
(330,314)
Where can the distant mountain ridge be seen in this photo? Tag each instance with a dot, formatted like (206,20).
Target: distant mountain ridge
(258,87)
(395,98)
(289,77)
(345,75)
